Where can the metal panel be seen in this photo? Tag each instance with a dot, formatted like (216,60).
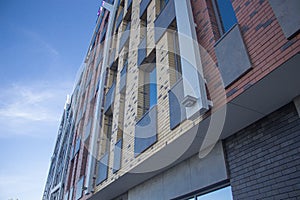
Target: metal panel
(119,19)
(87,130)
(123,78)
(112,57)
(145,131)
(124,37)
(177,110)
(102,169)
(129,3)
(164,20)
(109,99)
(287,13)
(117,156)
(71,193)
(142,51)
(79,188)
(77,146)
(232,56)
(143,6)
(103,33)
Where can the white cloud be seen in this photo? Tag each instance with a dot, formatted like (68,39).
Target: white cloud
(25,108)
(44,45)
(22,186)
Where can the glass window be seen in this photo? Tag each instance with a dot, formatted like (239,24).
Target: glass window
(224,194)
(226,14)
(163,3)
(152,91)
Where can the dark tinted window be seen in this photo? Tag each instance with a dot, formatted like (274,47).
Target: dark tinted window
(227,15)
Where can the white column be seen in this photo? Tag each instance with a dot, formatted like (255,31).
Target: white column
(195,98)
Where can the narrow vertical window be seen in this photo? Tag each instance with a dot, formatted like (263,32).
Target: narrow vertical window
(163,3)
(225,15)
(152,91)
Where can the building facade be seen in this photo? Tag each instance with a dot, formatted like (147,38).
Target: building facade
(184,99)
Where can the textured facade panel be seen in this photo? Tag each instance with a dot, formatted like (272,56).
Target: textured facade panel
(263,159)
(287,13)
(232,56)
(184,178)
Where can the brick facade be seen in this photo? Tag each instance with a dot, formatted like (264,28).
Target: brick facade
(263,159)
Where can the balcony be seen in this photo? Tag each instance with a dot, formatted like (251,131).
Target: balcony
(102,169)
(123,78)
(176,109)
(125,36)
(143,7)
(145,131)
(164,20)
(232,56)
(119,19)
(117,156)
(109,100)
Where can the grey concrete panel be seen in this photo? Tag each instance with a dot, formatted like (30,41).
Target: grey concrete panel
(177,180)
(187,176)
(232,56)
(287,14)
(208,170)
(152,189)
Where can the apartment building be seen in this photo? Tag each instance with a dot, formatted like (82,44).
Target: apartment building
(184,99)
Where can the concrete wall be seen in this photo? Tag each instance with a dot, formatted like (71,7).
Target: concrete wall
(264,159)
(188,176)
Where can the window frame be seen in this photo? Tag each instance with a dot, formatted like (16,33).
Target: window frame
(206,190)
(219,18)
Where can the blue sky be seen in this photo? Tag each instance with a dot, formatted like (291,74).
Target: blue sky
(42,45)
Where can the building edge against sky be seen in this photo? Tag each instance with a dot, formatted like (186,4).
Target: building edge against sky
(178,99)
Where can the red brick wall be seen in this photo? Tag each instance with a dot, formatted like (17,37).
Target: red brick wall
(266,44)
